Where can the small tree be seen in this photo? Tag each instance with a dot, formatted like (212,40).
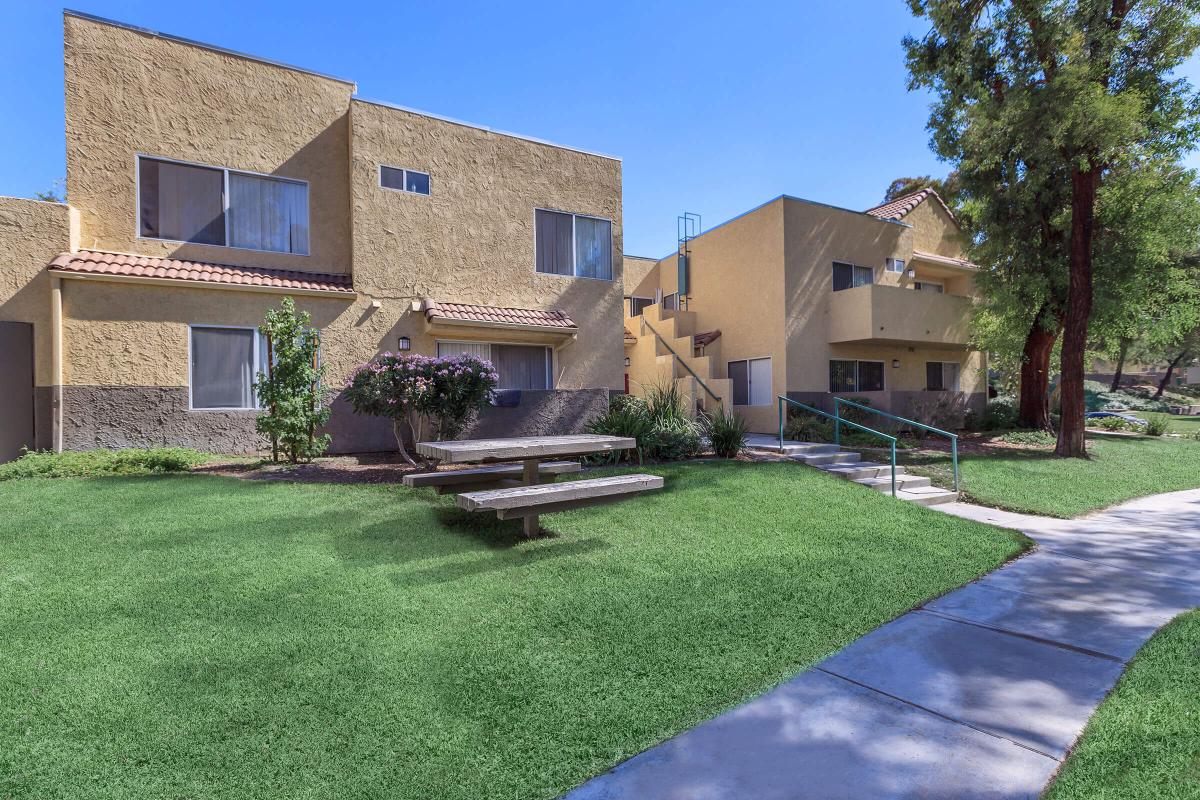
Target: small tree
(290,392)
(409,389)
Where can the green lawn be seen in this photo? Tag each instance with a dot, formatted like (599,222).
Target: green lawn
(1039,483)
(204,637)
(1176,423)
(1144,741)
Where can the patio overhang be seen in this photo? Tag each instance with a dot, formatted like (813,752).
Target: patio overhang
(471,321)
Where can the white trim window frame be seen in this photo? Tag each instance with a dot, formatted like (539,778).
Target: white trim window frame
(633,310)
(856,272)
(137,203)
(259,355)
(404,173)
(953,385)
(550,353)
(575,245)
(765,398)
(894,265)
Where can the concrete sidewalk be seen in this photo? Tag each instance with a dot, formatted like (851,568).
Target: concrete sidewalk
(979,694)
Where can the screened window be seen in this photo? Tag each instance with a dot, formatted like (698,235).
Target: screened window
(941,376)
(211,205)
(520,366)
(404,180)
(224,365)
(638,304)
(855,376)
(847,276)
(751,380)
(670,302)
(572,244)
(928,286)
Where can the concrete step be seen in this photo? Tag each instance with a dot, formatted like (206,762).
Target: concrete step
(762,441)
(864,469)
(884,482)
(927,496)
(828,459)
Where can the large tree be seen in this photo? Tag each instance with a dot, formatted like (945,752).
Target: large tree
(1055,94)
(947,188)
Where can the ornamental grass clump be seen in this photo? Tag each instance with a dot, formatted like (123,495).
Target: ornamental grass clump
(412,390)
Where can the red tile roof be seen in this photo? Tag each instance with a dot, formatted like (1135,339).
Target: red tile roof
(93,262)
(899,208)
(706,338)
(525,317)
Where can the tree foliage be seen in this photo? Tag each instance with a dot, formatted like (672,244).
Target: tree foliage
(290,391)
(947,188)
(1053,113)
(410,389)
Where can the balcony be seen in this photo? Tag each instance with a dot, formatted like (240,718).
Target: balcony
(892,315)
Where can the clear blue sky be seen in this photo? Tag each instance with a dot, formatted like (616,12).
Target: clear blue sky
(714,107)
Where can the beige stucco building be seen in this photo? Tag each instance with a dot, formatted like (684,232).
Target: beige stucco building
(203,185)
(807,300)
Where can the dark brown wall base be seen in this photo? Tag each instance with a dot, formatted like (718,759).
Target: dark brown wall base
(901,403)
(154,416)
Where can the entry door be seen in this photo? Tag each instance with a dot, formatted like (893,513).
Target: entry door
(16,389)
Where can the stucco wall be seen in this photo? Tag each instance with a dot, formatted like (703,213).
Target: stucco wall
(471,240)
(641,276)
(129,92)
(934,231)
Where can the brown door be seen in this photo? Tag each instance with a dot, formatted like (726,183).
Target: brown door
(16,389)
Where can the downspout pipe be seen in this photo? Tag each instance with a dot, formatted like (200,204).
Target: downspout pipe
(56,364)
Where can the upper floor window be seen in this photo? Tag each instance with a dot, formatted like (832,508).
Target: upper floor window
(928,286)
(638,304)
(847,276)
(573,244)
(894,265)
(211,205)
(404,180)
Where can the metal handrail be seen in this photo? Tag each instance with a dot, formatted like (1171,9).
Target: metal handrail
(682,363)
(838,402)
(837,433)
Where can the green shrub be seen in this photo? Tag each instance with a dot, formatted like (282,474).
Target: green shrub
(294,400)
(658,422)
(1040,438)
(726,432)
(1098,397)
(626,416)
(808,428)
(998,415)
(1155,427)
(1111,424)
(86,463)
(674,438)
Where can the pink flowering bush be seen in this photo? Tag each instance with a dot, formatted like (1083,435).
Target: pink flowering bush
(410,389)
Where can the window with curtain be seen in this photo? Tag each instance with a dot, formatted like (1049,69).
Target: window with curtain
(941,376)
(572,244)
(751,379)
(848,276)
(191,203)
(181,202)
(268,214)
(855,376)
(224,365)
(519,366)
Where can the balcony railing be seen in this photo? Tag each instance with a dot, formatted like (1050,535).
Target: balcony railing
(877,313)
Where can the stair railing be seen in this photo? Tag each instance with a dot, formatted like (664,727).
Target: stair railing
(837,421)
(682,363)
(838,402)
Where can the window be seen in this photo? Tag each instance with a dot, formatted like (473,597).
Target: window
(224,366)
(847,276)
(404,180)
(855,376)
(941,376)
(670,302)
(520,366)
(572,244)
(928,286)
(210,205)
(894,265)
(751,382)
(638,304)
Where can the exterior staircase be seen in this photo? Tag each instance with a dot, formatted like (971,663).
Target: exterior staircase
(664,353)
(849,465)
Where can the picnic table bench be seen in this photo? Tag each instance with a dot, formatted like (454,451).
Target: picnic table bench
(490,488)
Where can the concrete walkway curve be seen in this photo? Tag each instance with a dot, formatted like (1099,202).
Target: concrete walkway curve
(978,694)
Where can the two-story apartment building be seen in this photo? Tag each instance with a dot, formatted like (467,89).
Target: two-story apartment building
(810,301)
(203,184)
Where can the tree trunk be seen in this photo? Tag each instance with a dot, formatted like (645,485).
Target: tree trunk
(1166,379)
(400,441)
(1116,381)
(1071,443)
(1034,409)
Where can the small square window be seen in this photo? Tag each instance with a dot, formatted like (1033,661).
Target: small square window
(404,180)
(416,182)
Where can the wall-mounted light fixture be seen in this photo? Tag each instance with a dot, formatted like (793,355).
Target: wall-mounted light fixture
(404,344)
(895,363)
(627,361)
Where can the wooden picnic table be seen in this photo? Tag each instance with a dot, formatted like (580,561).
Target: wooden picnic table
(531,451)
